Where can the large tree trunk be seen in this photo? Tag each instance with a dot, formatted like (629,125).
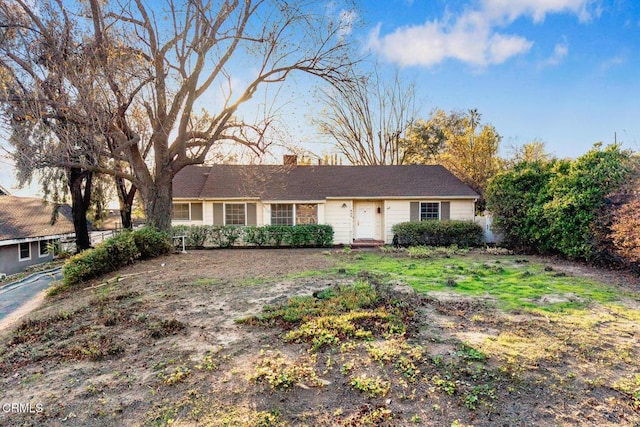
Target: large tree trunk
(80,202)
(157,197)
(126,202)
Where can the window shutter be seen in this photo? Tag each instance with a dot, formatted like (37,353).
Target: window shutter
(445,210)
(218,215)
(415,212)
(196,211)
(252,217)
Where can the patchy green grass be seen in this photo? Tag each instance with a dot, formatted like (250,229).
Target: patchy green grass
(487,339)
(512,281)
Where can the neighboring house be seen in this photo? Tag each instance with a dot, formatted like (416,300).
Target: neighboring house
(4,191)
(362,203)
(27,226)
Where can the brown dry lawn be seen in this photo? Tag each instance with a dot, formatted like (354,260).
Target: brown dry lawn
(159,344)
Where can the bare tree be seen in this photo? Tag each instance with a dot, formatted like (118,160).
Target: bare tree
(367,118)
(189,49)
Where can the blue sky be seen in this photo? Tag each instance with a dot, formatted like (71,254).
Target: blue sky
(564,72)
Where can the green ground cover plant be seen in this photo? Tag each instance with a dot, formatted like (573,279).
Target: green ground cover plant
(512,281)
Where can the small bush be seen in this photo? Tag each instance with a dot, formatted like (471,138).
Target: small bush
(257,236)
(104,258)
(122,250)
(322,235)
(151,242)
(438,233)
(197,235)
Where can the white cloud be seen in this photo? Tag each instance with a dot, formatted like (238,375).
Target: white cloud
(475,36)
(613,62)
(537,10)
(560,51)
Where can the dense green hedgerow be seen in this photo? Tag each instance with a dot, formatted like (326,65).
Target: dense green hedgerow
(438,233)
(199,236)
(107,256)
(115,253)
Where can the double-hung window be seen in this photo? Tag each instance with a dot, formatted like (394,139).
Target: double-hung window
(235,214)
(24,251)
(187,211)
(181,212)
(429,211)
(44,247)
(282,214)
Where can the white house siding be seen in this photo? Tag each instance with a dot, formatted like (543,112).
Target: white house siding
(379,232)
(463,210)
(395,211)
(340,219)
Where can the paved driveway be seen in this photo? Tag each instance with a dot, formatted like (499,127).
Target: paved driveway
(14,295)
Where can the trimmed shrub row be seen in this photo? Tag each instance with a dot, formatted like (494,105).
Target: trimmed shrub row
(115,253)
(216,236)
(437,233)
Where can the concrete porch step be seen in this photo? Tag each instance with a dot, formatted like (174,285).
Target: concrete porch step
(367,243)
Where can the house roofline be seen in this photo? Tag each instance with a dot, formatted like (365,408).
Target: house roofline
(258,199)
(34,239)
(475,198)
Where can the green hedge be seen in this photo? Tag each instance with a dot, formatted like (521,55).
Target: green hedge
(151,243)
(214,236)
(438,233)
(115,253)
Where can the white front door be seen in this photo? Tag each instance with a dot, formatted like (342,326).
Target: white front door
(365,221)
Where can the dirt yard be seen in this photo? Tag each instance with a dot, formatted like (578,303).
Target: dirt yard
(159,343)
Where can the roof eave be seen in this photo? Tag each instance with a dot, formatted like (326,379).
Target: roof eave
(15,241)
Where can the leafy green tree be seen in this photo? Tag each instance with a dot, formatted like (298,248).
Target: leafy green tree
(557,206)
(514,197)
(578,197)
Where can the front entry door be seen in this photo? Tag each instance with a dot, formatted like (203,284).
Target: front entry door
(365,221)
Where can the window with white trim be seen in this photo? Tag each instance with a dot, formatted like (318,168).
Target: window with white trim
(180,212)
(429,211)
(24,251)
(235,214)
(43,248)
(282,214)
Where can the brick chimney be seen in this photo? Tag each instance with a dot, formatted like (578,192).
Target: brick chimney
(290,160)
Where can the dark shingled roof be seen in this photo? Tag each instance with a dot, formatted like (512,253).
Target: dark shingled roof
(268,182)
(23,217)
